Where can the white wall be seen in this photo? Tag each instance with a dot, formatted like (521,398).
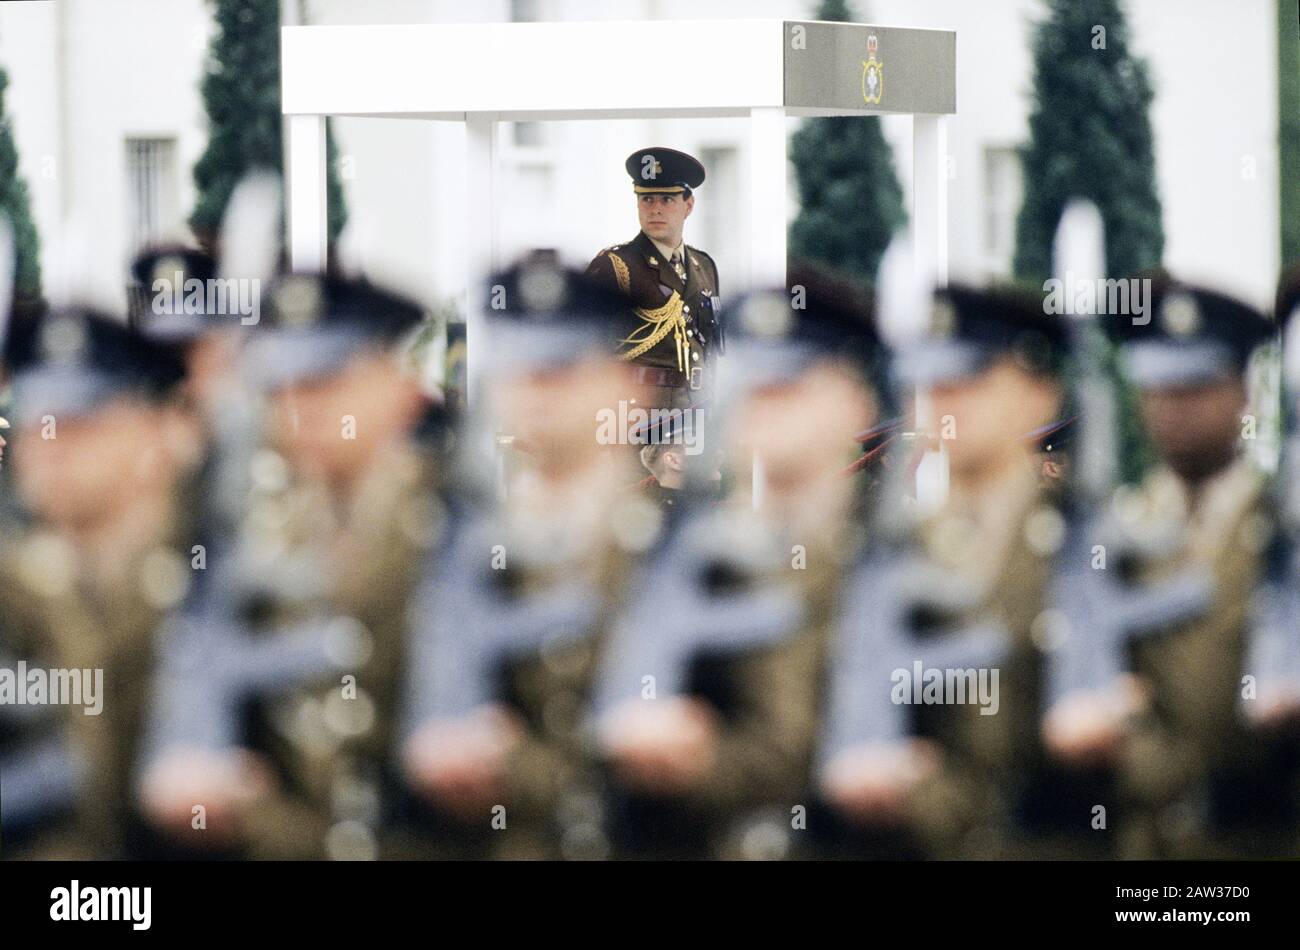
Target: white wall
(132,67)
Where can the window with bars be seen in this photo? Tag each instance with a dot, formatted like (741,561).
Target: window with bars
(153,212)
(1002,196)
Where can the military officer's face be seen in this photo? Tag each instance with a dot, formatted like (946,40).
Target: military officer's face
(74,472)
(1195,428)
(803,430)
(982,419)
(663,217)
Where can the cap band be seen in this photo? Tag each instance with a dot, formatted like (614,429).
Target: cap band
(937,362)
(519,346)
(1155,363)
(281,357)
(63,392)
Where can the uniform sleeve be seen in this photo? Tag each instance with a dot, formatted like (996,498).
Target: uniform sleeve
(601,270)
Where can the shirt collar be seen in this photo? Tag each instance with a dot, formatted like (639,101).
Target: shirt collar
(667,251)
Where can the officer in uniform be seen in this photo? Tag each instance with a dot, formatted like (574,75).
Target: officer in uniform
(343,506)
(1190,776)
(106,474)
(949,779)
(673,331)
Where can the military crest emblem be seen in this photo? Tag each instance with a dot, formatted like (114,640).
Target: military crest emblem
(873,74)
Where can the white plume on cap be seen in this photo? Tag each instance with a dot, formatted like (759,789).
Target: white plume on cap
(72,282)
(250,228)
(905,292)
(1079,257)
(1079,249)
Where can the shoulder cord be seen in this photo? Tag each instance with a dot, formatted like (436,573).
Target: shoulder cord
(659,322)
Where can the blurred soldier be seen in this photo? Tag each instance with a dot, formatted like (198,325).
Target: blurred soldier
(673,331)
(707,724)
(522,596)
(344,505)
(1275,654)
(1188,773)
(106,474)
(947,781)
(179,299)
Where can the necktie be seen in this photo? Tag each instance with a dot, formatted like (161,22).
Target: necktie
(679,265)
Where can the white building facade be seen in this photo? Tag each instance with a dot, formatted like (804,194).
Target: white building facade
(105,105)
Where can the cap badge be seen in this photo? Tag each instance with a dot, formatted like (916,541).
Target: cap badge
(1180,315)
(298,301)
(64,340)
(767,316)
(168,267)
(541,289)
(943,320)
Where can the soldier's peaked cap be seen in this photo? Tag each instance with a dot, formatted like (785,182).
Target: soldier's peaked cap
(70,362)
(542,314)
(968,328)
(1189,336)
(821,315)
(313,326)
(659,170)
(166,269)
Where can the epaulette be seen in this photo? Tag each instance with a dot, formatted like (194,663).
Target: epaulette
(704,254)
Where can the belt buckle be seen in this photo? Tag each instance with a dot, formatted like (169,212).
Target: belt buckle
(697,377)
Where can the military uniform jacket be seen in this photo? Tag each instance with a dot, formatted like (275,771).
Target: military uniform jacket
(1192,737)
(332,742)
(1005,543)
(70,620)
(671,324)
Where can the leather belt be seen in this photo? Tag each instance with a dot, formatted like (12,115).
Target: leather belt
(659,376)
(670,378)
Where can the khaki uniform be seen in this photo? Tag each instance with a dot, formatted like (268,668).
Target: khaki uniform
(1192,736)
(74,616)
(565,804)
(333,742)
(552,803)
(1003,544)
